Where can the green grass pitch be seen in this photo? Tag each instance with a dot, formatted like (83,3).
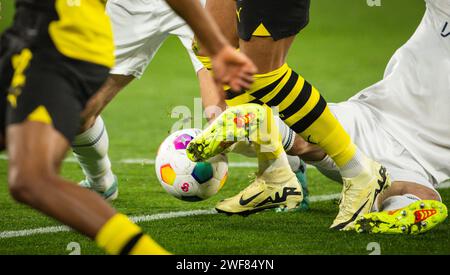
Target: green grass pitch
(343,50)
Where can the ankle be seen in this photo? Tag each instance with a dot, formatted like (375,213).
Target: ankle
(277,175)
(356,166)
(103,182)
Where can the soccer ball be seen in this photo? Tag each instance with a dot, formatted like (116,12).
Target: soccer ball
(184,179)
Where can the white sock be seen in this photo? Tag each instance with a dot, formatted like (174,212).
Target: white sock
(91,150)
(294,162)
(355,166)
(326,163)
(328,168)
(287,134)
(398,202)
(247,149)
(268,167)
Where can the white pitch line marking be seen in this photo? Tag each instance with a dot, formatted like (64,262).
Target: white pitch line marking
(136,219)
(244,164)
(172,215)
(35,231)
(325,197)
(144,161)
(154,217)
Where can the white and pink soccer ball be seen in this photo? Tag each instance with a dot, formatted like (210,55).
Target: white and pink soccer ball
(184,179)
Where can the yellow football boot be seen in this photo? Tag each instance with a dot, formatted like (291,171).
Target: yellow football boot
(237,123)
(280,189)
(416,218)
(359,194)
(277,188)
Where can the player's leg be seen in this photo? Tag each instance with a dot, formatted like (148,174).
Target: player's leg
(300,105)
(41,122)
(275,184)
(47,92)
(214,105)
(402,188)
(406,208)
(35,151)
(298,166)
(224,13)
(6,51)
(279,85)
(213,99)
(91,146)
(411,205)
(2,119)
(3,94)
(133,53)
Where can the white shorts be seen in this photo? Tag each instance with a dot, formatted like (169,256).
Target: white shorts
(140,27)
(378,144)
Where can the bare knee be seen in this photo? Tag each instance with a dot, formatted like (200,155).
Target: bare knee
(422,192)
(25,185)
(300,147)
(306,150)
(399,188)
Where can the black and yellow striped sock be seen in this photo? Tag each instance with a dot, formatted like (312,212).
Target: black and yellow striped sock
(306,112)
(301,107)
(120,236)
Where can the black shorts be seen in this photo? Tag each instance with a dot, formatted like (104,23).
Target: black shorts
(38,82)
(281,18)
(2,120)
